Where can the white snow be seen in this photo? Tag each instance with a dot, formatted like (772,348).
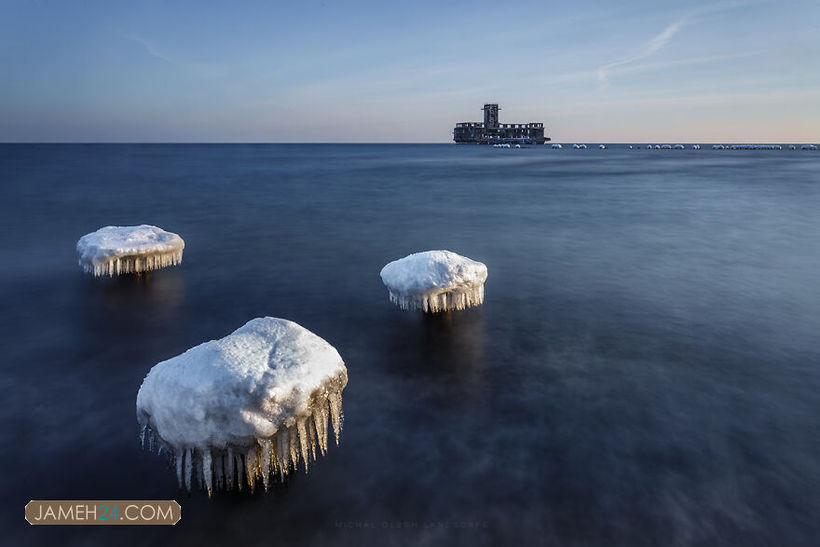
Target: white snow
(115,250)
(251,404)
(435,281)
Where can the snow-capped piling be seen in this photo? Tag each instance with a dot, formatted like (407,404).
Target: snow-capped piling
(116,250)
(244,408)
(435,281)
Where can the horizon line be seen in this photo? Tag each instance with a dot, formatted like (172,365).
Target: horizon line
(383,143)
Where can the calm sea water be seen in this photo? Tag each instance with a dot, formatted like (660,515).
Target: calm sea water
(645,369)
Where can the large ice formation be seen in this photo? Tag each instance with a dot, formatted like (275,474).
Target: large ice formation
(435,281)
(115,250)
(244,408)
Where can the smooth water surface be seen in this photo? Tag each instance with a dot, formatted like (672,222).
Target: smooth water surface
(645,369)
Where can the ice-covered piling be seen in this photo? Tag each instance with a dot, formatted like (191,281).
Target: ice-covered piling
(115,250)
(435,281)
(246,407)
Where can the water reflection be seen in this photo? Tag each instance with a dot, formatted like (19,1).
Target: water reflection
(133,303)
(453,342)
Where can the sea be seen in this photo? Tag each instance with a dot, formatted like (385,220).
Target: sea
(645,368)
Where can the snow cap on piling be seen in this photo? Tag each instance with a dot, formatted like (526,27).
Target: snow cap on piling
(252,404)
(115,250)
(435,281)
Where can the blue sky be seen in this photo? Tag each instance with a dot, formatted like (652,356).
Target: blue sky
(367,71)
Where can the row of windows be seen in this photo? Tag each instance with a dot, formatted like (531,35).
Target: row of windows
(503,125)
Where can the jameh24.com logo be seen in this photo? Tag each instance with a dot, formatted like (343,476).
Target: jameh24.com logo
(113,512)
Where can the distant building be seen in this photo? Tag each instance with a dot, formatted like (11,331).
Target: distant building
(492,132)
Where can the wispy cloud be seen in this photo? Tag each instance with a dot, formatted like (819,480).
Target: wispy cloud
(630,68)
(660,40)
(206,70)
(151,49)
(646,50)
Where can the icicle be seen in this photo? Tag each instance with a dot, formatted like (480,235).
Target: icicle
(278,454)
(143,430)
(311,433)
(229,462)
(257,461)
(458,299)
(218,473)
(198,473)
(239,478)
(130,264)
(293,447)
(207,471)
(303,440)
(266,453)
(336,416)
(189,457)
(274,457)
(283,452)
(178,455)
(250,468)
(320,419)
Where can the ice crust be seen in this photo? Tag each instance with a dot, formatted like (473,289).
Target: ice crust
(115,250)
(240,409)
(435,281)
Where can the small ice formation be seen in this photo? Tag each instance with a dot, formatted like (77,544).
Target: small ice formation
(116,250)
(602,146)
(679,147)
(245,408)
(754,147)
(556,146)
(435,281)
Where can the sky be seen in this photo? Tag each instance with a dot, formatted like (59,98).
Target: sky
(382,71)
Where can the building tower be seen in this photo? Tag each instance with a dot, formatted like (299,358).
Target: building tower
(490,116)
